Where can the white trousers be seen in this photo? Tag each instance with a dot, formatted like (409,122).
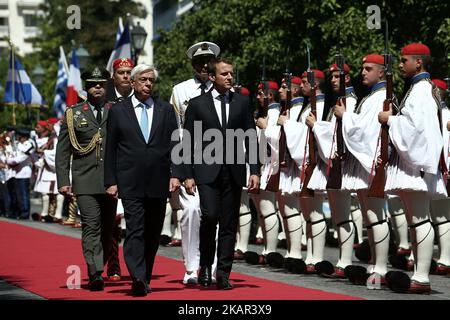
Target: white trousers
(190,231)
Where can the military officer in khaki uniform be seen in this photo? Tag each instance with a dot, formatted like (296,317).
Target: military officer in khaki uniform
(80,148)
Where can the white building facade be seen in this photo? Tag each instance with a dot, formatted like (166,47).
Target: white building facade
(18,21)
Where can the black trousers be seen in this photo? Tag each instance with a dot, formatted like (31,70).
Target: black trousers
(98,212)
(144,218)
(219,203)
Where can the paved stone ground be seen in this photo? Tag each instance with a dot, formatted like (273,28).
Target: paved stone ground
(440,284)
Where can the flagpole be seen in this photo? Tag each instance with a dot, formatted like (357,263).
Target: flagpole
(13,74)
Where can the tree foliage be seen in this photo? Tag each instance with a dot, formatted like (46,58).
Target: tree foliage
(248,30)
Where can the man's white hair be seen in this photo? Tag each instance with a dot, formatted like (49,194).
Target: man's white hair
(143,67)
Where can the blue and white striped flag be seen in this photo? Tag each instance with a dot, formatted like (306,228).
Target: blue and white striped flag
(122,48)
(19,89)
(59,103)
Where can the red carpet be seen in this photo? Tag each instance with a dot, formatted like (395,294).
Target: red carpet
(37,261)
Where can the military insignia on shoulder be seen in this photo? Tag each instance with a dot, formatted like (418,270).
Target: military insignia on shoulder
(83,123)
(85,107)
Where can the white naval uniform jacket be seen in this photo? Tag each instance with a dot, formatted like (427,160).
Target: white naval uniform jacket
(182,93)
(21,163)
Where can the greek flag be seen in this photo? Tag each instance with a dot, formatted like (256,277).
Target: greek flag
(122,48)
(19,89)
(59,103)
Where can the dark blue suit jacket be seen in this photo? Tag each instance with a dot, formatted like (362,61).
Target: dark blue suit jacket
(139,169)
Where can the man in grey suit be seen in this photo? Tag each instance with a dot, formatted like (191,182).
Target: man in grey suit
(80,148)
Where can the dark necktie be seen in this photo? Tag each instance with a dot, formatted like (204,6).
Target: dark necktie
(223,111)
(203,87)
(99,114)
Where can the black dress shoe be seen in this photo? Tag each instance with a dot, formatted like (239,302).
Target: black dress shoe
(139,288)
(204,276)
(224,284)
(96,283)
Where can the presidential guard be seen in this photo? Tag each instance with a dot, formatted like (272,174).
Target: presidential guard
(46,177)
(296,140)
(327,140)
(415,172)
(440,209)
(82,139)
(245,215)
(288,177)
(121,88)
(265,201)
(351,100)
(312,205)
(200,54)
(360,134)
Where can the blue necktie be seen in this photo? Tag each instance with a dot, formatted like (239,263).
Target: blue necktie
(144,122)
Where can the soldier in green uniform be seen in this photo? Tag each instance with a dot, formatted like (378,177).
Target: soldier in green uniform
(80,149)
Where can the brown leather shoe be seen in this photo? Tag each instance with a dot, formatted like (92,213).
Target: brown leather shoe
(419,288)
(238,255)
(174,243)
(441,269)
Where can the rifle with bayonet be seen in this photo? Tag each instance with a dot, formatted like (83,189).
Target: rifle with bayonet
(335,171)
(263,110)
(237,87)
(308,168)
(376,189)
(273,183)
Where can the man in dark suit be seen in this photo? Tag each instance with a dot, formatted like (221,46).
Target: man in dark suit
(138,170)
(119,87)
(80,149)
(220,182)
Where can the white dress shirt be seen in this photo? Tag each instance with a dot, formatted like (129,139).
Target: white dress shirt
(138,111)
(118,95)
(218,104)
